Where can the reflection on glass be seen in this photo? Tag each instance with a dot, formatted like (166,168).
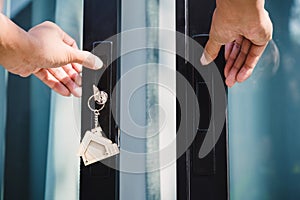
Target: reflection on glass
(264,115)
(268,65)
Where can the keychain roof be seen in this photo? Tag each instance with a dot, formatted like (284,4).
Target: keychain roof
(94,147)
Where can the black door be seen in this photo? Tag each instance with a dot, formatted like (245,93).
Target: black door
(197,178)
(201,178)
(100,23)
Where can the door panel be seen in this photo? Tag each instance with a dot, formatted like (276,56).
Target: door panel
(204,178)
(197,178)
(100,23)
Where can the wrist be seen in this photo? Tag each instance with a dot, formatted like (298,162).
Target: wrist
(16,46)
(34,44)
(247,14)
(243,3)
(236,8)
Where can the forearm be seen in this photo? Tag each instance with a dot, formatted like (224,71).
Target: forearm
(245,8)
(14,42)
(243,3)
(249,16)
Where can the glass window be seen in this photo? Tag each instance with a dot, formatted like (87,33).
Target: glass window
(264,116)
(143,107)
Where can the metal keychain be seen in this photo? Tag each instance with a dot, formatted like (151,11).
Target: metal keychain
(95,146)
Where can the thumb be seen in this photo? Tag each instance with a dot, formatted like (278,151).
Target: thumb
(211,51)
(87,59)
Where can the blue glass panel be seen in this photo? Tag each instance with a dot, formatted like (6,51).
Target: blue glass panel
(264,115)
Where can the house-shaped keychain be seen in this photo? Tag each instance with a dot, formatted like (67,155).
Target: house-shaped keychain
(94,147)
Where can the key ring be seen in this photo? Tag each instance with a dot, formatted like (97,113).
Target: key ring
(101,101)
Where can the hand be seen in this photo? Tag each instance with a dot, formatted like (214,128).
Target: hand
(245,29)
(47,52)
(59,49)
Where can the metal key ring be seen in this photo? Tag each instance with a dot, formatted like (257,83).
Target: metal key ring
(94,109)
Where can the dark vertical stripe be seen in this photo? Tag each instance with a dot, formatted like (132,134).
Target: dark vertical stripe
(17,128)
(40,96)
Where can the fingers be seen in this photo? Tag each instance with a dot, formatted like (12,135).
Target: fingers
(82,57)
(77,67)
(211,51)
(228,49)
(73,73)
(86,59)
(45,76)
(64,80)
(242,59)
(69,40)
(72,43)
(236,61)
(61,75)
(252,59)
(237,44)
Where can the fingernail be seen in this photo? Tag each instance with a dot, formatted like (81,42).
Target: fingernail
(77,92)
(239,78)
(98,63)
(78,80)
(230,82)
(226,74)
(204,60)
